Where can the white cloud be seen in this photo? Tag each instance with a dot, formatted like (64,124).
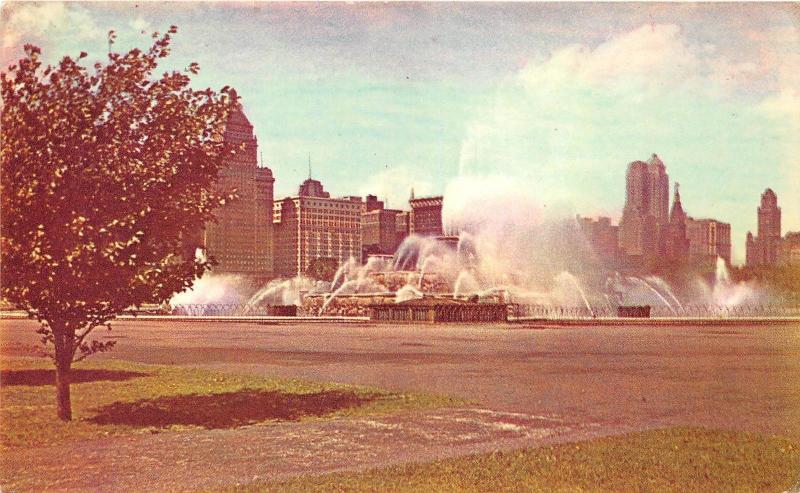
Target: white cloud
(652,55)
(784,105)
(35,22)
(140,25)
(733,75)
(394,186)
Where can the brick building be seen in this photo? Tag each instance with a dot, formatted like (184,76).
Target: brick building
(379,228)
(312,225)
(241,240)
(402,226)
(426,216)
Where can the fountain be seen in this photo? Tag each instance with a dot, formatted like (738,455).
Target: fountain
(407,292)
(565,278)
(727,293)
(425,268)
(665,288)
(659,296)
(465,284)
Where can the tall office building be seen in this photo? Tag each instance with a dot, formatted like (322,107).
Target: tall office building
(708,239)
(645,216)
(426,216)
(241,238)
(312,225)
(658,189)
(676,241)
(763,248)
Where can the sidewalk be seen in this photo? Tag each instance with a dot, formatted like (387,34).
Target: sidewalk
(188,460)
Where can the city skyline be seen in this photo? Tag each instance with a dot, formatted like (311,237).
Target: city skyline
(556,99)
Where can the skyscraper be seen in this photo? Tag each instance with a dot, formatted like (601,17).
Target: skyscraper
(241,239)
(677,244)
(763,249)
(645,216)
(659,189)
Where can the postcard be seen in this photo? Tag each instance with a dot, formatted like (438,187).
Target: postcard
(400,246)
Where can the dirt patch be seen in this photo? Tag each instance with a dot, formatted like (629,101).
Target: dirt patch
(206,459)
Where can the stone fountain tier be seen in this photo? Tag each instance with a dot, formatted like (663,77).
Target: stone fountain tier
(436,309)
(357,304)
(393,281)
(346,305)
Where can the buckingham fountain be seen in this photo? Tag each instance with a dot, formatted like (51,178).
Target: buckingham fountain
(456,270)
(510,244)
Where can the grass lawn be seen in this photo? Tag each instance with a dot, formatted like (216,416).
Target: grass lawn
(112,397)
(675,459)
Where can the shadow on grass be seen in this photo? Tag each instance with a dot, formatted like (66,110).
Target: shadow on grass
(48,377)
(228,410)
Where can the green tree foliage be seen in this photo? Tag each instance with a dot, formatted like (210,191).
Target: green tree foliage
(105,172)
(322,269)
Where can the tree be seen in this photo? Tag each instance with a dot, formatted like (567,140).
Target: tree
(104,174)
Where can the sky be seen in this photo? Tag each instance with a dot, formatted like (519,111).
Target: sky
(497,106)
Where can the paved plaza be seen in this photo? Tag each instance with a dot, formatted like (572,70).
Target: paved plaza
(738,377)
(528,386)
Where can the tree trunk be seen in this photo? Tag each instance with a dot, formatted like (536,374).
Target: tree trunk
(63,403)
(63,344)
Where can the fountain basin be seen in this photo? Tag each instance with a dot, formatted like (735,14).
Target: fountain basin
(633,311)
(438,310)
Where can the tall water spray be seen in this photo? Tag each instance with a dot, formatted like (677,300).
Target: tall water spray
(662,284)
(287,291)
(727,293)
(465,284)
(659,297)
(567,279)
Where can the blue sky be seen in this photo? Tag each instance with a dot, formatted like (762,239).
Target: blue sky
(545,103)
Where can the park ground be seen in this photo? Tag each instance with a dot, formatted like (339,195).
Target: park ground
(239,406)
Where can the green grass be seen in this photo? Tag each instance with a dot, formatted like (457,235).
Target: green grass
(675,459)
(112,398)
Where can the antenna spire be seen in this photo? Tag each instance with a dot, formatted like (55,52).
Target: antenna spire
(309,165)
